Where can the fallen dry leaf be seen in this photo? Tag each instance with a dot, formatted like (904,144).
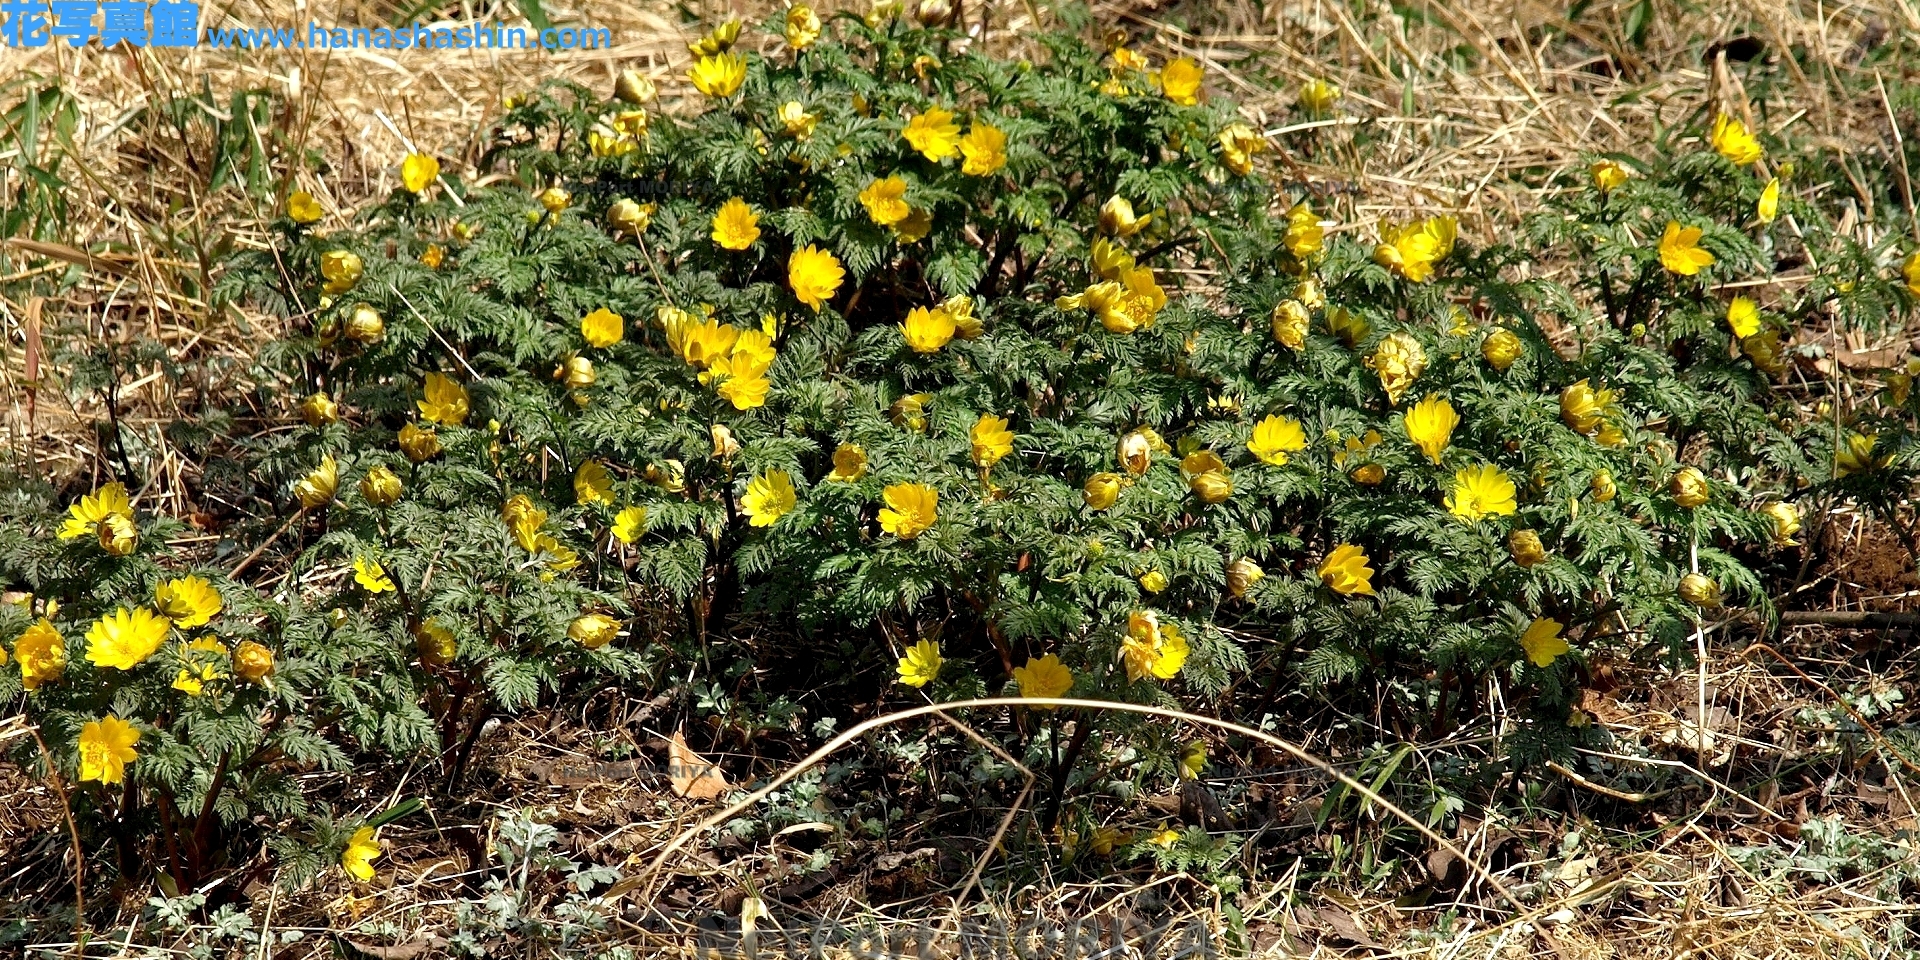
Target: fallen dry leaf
(692,775)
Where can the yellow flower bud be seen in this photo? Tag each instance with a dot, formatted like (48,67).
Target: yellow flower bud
(1689,488)
(593,630)
(1241,575)
(1211,486)
(630,217)
(1101,490)
(365,325)
(1526,548)
(1786,523)
(1369,474)
(1700,590)
(435,644)
(1501,348)
(381,487)
(555,199)
(724,445)
(1308,293)
(319,410)
(633,87)
(252,662)
(576,372)
(1290,320)
(1602,488)
(419,444)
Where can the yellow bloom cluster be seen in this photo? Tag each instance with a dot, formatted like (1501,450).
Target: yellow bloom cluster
(1151,648)
(1412,249)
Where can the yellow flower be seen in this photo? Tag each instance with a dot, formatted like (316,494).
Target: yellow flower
(768,498)
(1305,236)
(1152,649)
(724,445)
(1542,642)
(204,659)
(1583,408)
(803,26)
(1164,837)
(1857,456)
(719,40)
(1118,219)
(1430,425)
(1731,140)
(364,325)
(1318,96)
(1135,450)
(1181,81)
(1743,317)
(628,216)
(381,487)
(965,325)
(1910,271)
(41,653)
(418,171)
(604,144)
(814,275)
(593,630)
(1242,574)
(1526,548)
(603,328)
(369,574)
(1153,581)
(1398,360)
(1786,522)
(319,486)
(1239,144)
(633,87)
(719,74)
(934,134)
(1680,250)
(1608,175)
(1274,437)
(1207,476)
(920,664)
(911,509)
(1689,488)
(885,200)
(1111,261)
(341,269)
(795,120)
(592,484)
(1345,571)
(357,859)
(189,601)
(303,208)
(910,411)
(118,536)
(85,515)
(435,643)
(1101,491)
(1601,487)
(983,150)
(1763,349)
(629,524)
(1482,491)
(1769,205)
(444,401)
(1350,327)
(926,331)
(319,410)
(554,199)
(1411,250)
(252,662)
(420,445)
(1501,348)
(849,463)
(1043,677)
(736,226)
(1699,590)
(991,440)
(915,227)
(1290,321)
(124,639)
(106,747)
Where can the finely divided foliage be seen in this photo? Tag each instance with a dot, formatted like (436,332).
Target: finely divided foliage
(970,375)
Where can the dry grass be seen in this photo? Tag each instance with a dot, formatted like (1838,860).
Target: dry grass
(1508,94)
